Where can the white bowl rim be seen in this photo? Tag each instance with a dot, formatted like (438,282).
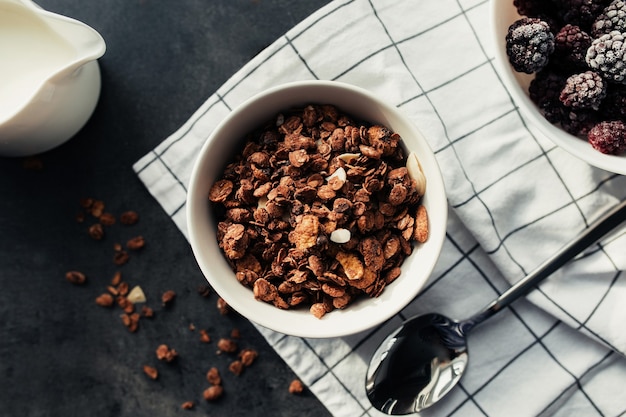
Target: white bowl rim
(577,147)
(361,315)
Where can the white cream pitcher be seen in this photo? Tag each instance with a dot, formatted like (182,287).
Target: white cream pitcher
(49,77)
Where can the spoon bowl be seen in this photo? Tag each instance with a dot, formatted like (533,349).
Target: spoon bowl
(426,358)
(422,360)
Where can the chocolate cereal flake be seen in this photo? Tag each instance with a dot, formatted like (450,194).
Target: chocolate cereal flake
(296,387)
(76,277)
(319,209)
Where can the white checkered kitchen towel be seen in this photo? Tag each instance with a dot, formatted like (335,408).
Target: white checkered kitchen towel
(515,199)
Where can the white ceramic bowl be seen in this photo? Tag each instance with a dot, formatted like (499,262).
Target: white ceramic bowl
(221,146)
(503,14)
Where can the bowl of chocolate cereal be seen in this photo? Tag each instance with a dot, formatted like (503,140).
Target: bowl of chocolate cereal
(565,68)
(317,210)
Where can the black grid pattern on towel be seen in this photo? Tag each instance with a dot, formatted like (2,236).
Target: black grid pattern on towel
(329,367)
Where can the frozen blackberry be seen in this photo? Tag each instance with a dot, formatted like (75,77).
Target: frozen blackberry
(529,44)
(613,106)
(583,91)
(544,90)
(606,55)
(613,17)
(608,137)
(579,122)
(533,8)
(545,10)
(570,48)
(581,12)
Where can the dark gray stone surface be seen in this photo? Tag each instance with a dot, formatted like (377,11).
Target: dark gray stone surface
(60,353)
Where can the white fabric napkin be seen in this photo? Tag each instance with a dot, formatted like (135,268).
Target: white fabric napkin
(515,199)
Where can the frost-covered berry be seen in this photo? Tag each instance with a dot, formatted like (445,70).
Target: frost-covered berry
(580,12)
(583,91)
(613,106)
(608,137)
(529,44)
(544,91)
(541,9)
(613,17)
(532,8)
(579,122)
(607,56)
(570,48)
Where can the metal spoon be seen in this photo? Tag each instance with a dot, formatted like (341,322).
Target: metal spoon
(426,356)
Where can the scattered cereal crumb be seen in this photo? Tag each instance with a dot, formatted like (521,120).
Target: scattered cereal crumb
(248,356)
(107,219)
(85,202)
(151,371)
(97,208)
(187,405)
(95,231)
(236,367)
(124,304)
(131,321)
(227,345)
(122,288)
(222,306)
(147,312)
(296,387)
(117,278)
(120,257)
(105,300)
(168,297)
(213,392)
(136,243)
(129,217)
(164,353)
(213,376)
(204,336)
(204,290)
(76,277)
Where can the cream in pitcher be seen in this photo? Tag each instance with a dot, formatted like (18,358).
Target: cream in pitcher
(49,77)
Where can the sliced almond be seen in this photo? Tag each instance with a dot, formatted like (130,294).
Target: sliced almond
(340,236)
(136,295)
(348,157)
(262,202)
(416,173)
(339,173)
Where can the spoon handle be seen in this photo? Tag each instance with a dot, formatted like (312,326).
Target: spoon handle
(592,234)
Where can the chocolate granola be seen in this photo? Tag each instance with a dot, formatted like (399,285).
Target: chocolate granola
(319,209)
